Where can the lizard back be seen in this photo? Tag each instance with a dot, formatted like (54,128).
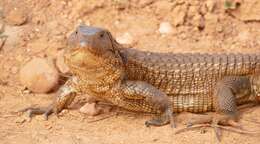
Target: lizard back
(188,79)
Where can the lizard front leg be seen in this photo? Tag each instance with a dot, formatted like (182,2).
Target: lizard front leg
(64,98)
(141,96)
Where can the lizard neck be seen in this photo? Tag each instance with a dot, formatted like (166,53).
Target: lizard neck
(96,74)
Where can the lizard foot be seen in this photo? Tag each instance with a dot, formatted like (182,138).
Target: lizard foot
(65,97)
(229,125)
(217,129)
(166,118)
(38,111)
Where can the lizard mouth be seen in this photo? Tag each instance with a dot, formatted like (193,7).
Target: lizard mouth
(74,50)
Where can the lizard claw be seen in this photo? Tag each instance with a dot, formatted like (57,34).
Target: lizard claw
(47,113)
(156,122)
(166,118)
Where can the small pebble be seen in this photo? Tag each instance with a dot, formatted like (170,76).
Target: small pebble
(26,91)
(20,120)
(48,126)
(64,111)
(126,38)
(211,5)
(90,109)
(39,75)
(203,131)
(165,28)
(219,28)
(16,16)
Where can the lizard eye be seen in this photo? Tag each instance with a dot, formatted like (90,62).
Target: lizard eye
(101,35)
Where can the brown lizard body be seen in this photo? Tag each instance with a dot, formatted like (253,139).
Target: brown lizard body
(160,83)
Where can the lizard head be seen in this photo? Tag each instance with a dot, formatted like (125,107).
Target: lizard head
(92,45)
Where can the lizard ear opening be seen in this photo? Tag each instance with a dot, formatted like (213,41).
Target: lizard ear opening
(116,49)
(114,44)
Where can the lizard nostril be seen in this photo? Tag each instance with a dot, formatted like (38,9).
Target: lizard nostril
(102,35)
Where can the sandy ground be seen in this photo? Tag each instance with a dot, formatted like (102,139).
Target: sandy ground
(40,28)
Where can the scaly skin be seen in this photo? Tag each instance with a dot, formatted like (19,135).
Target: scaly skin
(186,77)
(160,83)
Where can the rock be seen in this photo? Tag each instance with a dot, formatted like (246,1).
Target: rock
(249,10)
(162,8)
(39,75)
(144,3)
(122,4)
(199,21)
(126,38)
(48,126)
(90,109)
(16,16)
(63,68)
(219,28)
(179,13)
(26,91)
(13,36)
(192,11)
(20,120)
(211,4)
(211,23)
(165,28)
